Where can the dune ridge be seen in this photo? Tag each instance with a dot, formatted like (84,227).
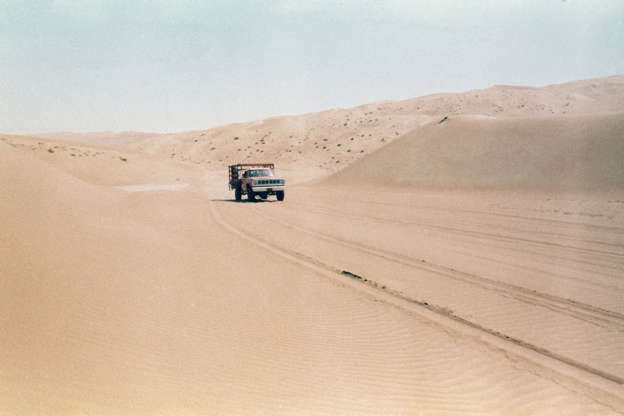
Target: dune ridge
(310,146)
(101,138)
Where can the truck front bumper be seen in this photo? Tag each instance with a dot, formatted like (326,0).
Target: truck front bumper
(270,189)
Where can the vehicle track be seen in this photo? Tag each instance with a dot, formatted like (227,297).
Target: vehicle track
(502,237)
(616,395)
(604,265)
(590,313)
(608,262)
(616,229)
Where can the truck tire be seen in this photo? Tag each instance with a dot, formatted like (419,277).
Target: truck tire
(251,196)
(238,193)
(280,195)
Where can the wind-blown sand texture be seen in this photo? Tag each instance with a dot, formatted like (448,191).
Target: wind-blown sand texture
(472,266)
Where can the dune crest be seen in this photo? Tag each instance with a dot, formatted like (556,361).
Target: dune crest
(326,142)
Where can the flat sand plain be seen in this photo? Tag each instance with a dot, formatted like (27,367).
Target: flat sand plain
(472,266)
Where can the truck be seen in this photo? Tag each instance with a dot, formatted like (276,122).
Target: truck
(255,179)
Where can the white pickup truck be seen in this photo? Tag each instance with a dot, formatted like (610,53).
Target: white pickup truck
(256,179)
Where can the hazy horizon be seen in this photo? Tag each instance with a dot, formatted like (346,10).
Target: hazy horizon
(159,67)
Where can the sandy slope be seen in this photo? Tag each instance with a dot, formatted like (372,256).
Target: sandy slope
(506,299)
(312,145)
(558,288)
(101,138)
(103,165)
(581,153)
(138,303)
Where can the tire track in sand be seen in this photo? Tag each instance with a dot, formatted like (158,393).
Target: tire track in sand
(559,265)
(537,244)
(569,307)
(589,338)
(559,369)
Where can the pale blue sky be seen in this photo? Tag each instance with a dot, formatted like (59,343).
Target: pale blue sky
(189,64)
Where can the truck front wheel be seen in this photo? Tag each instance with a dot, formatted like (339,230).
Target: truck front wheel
(250,194)
(238,193)
(280,195)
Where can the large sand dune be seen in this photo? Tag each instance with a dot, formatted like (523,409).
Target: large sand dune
(469,267)
(312,145)
(581,153)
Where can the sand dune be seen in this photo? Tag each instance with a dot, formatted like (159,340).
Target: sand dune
(101,138)
(582,153)
(102,165)
(312,145)
(471,266)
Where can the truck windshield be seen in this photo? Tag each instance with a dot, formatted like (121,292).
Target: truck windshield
(253,173)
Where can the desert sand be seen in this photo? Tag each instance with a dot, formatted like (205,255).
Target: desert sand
(448,254)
